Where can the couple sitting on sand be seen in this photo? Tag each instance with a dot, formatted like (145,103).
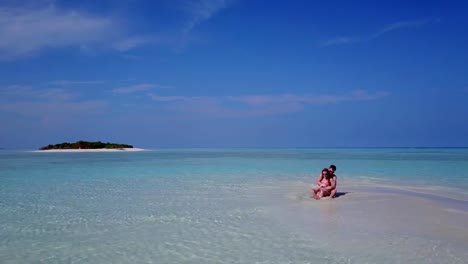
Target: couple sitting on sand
(326,184)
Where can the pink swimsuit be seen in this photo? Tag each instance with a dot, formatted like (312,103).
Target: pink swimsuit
(325,182)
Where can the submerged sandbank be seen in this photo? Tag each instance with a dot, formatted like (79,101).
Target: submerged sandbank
(92,150)
(372,223)
(380,215)
(441,197)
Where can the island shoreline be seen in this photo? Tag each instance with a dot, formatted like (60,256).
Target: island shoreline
(89,150)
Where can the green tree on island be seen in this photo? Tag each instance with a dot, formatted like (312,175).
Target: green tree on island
(86,145)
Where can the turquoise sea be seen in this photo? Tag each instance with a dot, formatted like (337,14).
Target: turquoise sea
(228,206)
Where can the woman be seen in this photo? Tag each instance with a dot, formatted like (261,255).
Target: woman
(323,181)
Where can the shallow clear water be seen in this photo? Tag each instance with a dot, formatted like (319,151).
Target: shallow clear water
(211,206)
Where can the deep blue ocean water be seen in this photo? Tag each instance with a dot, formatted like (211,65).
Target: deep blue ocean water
(192,205)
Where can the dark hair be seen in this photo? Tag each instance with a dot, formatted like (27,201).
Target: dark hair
(333,167)
(329,175)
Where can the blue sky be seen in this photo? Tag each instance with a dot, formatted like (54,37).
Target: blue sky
(234,73)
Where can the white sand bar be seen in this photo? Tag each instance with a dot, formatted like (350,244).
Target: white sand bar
(371,223)
(92,150)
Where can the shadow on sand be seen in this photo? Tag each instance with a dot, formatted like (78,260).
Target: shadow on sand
(340,194)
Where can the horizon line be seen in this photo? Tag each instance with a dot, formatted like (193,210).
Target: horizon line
(354,147)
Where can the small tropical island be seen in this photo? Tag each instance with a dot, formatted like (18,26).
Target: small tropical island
(88,146)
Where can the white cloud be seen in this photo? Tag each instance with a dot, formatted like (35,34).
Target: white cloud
(363,95)
(133,42)
(29,30)
(256,105)
(185,99)
(385,30)
(30,101)
(73,82)
(401,25)
(134,88)
(32,28)
(21,92)
(339,41)
(260,100)
(56,108)
(200,10)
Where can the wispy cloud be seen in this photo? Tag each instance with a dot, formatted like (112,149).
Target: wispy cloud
(22,92)
(389,28)
(137,88)
(256,105)
(261,100)
(401,25)
(185,99)
(200,10)
(340,41)
(29,101)
(41,25)
(133,42)
(48,110)
(26,31)
(75,82)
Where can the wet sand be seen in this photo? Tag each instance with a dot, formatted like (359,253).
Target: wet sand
(378,221)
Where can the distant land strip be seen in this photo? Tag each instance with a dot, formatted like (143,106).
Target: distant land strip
(86,145)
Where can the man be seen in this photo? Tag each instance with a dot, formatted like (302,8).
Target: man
(329,190)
